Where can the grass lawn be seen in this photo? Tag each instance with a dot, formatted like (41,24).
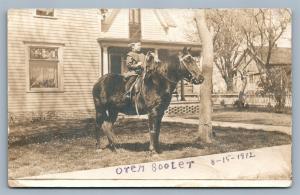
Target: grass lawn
(264,118)
(59,146)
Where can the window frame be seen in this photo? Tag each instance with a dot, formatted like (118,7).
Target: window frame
(60,79)
(41,16)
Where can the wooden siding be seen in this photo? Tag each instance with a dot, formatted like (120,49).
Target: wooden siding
(78,31)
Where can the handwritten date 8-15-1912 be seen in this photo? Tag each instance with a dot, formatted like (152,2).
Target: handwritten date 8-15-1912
(232,157)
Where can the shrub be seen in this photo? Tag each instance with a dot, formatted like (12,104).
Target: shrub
(222,102)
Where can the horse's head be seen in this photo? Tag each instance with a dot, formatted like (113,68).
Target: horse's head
(191,71)
(151,60)
(150,57)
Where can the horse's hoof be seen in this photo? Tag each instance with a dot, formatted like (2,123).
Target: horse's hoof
(154,153)
(158,150)
(151,152)
(112,147)
(151,149)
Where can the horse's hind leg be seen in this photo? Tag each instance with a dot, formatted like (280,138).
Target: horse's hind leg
(99,121)
(107,128)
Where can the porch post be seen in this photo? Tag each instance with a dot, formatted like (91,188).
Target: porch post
(100,73)
(156,51)
(182,95)
(105,61)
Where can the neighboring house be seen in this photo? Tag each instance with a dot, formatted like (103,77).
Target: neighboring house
(280,58)
(283,43)
(55,55)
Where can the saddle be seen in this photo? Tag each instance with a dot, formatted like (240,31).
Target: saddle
(133,88)
(133,85)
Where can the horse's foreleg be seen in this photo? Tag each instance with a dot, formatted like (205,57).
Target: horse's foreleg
(157,132)
(154,130)
(157,127)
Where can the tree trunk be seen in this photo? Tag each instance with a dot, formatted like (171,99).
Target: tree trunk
(241,101)
(205,124)
(229,84)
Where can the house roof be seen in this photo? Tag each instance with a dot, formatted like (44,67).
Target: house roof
(163,16)
(279,55)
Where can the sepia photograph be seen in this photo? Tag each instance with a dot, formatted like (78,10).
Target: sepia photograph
(138,97)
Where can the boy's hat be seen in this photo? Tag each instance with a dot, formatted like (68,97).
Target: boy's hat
(133,44)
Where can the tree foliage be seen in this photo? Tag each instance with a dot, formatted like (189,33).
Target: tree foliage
(228,41)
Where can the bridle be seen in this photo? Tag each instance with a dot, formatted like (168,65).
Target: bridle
(190,76)
(182,62)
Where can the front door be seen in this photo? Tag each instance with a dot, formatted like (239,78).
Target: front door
(115,63)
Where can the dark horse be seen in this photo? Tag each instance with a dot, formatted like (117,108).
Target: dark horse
(155,94)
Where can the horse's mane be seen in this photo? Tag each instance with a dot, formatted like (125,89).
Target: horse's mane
(164,68)
(164,65)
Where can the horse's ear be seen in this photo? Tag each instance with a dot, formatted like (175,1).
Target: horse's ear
(149,57)
(180,53)
(185,50)
(189,49)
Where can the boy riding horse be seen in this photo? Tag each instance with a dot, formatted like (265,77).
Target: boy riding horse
(135,62)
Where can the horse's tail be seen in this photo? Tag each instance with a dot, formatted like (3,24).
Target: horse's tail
(98,101)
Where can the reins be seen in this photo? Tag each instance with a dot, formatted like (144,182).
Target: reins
(142,86)
(175,82)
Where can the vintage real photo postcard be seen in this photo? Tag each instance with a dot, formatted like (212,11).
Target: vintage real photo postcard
(149,97)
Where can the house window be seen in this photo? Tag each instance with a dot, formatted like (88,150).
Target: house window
(134,16)
(135,23)
(44,12)
(251,78)
(44,69)
(104,14)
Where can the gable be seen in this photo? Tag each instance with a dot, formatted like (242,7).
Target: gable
(279,55)
(108,16)
(118,24)
(164,18)
(156,24)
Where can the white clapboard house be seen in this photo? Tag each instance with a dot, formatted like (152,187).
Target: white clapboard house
(55,55)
